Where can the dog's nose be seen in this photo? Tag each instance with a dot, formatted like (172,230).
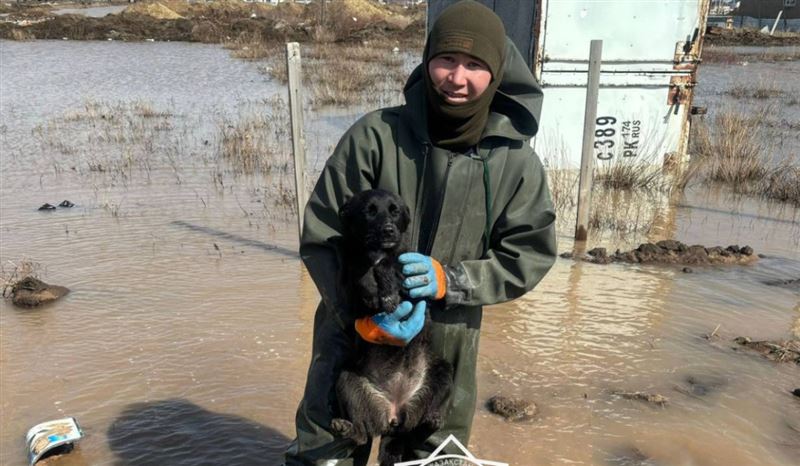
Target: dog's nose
(388,228)
(394,422)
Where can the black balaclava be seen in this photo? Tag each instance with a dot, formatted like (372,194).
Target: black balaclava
(471,28)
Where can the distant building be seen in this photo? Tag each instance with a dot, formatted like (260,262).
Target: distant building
(768,9)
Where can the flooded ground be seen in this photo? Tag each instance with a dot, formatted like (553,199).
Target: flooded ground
(92,12)
(186,337)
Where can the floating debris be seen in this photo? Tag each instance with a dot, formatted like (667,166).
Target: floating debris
(52,438)
(47,206)
(32,292)
(66,203)
(652,398)
(778,351)
(512,409)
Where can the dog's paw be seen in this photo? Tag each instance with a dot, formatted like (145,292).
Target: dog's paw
(342,427)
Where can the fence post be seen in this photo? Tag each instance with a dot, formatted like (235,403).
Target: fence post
(587,152)
(295,71)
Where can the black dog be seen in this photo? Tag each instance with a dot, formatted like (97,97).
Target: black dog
(386,391)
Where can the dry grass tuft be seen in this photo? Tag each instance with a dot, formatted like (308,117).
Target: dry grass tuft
(749,92)
(257,142)
(730,147)
(346,74)
(13,272)
(783,185)
(638,174)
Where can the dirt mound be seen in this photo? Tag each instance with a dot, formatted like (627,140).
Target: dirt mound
(31,292)
(671,252)
(156,10)
(512,409)
(722,36)
(364,9)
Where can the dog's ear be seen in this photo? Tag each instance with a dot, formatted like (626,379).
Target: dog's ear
(405,218)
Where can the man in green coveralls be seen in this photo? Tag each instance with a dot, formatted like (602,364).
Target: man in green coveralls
(458,154)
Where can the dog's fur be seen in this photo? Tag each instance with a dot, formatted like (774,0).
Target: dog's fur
(385,391)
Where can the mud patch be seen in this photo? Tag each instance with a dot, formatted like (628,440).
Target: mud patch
(32,292)
(671,252)
(512,409)
(654,399)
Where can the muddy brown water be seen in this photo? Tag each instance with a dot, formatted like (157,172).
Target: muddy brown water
(186,336)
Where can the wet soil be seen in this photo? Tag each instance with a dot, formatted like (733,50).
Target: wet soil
(722,36)
(671,252)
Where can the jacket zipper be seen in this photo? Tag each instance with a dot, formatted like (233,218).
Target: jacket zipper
(432,233)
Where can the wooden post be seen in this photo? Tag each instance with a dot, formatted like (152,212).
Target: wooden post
(295,71)
(587,153)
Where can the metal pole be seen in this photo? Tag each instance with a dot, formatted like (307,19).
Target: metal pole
(294,69)
(587,153)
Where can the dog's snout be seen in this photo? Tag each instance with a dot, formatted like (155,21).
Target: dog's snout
(389,228)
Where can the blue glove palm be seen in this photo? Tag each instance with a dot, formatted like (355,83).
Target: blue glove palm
(425,277)
(393,328)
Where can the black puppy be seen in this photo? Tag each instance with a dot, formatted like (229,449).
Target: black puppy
(386,391)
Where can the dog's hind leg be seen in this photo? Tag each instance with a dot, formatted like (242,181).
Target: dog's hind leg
(366,406)
(440,381)
(391,450)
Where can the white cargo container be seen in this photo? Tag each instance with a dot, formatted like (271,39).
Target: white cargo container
(651,50)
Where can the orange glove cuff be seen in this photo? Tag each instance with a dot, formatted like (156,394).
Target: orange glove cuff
(372,333)
(441,279)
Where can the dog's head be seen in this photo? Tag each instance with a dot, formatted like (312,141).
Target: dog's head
(376,219)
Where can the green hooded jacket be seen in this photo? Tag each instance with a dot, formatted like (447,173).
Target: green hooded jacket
(458,201)
(455,199)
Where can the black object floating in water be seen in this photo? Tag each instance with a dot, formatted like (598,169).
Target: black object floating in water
(66,203)
(47,206)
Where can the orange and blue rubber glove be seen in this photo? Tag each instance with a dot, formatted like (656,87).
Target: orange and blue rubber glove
(425,277)
(396,328)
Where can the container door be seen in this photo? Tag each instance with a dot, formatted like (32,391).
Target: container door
(650,55)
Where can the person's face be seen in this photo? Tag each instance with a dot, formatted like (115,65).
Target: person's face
(459,78)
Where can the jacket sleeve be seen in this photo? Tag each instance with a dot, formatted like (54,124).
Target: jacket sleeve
(348,170)
(521,250)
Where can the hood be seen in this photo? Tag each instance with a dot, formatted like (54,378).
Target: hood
(514,111)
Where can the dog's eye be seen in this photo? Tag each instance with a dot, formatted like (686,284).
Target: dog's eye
(393,209)
(372,210)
